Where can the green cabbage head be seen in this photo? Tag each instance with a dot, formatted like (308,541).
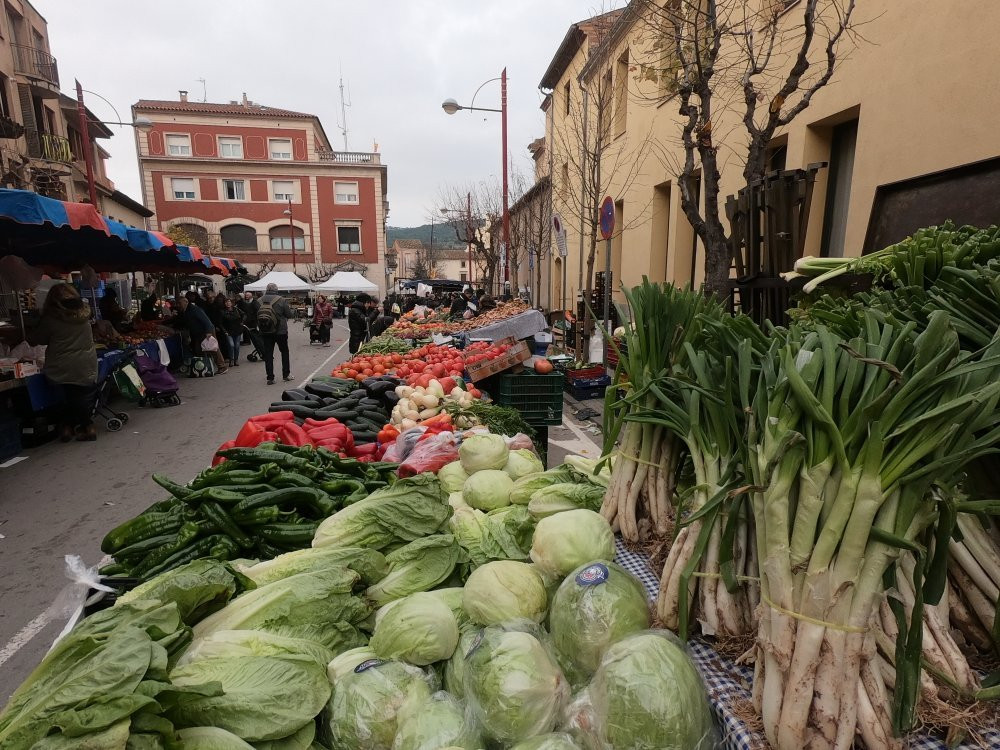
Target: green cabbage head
(479,452)
(502,591)
(596,606)
(513,685)
(563,542)
(647,695)
(521,463)
(440,722)
(367,701)
(554,741)
(420,629)
(488,489)
(452,476)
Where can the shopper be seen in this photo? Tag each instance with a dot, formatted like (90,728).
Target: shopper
(486,302)
(232,330)
(199,328)
(150,308)
(323,319)
(111,310)
(357,322)
(272,326)
(70,359)
(214,310)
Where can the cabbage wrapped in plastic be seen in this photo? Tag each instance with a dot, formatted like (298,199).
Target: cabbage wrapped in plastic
(513,685)
(454,669)
(596,605)
(554,741)
(442,721)
(562,543)
(419,629)
(502,591)
(368,700)
(647,695)
(521,463)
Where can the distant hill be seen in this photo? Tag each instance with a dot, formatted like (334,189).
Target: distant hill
(444,235)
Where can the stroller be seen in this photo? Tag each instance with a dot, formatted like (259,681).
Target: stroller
(115,380)
(251,335)
(160,386)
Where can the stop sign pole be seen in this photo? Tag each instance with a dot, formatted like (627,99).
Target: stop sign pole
(607,229)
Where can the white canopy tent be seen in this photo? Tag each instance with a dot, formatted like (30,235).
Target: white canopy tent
(347,281)
(285,280)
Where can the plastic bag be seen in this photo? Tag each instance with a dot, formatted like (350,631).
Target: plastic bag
(210,344)
(439,722)
(404,444)
(430,454)
(72,600)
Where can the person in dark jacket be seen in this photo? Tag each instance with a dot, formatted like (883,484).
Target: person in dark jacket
(111,310)
(198,326)
(248,306)
(279,336)
(150,308)
(323,318)
(70,358)
(214,310)
(232,328)
(357,322)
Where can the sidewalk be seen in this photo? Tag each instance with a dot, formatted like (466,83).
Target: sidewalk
(583,437)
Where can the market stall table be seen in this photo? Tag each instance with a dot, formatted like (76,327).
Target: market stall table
(519,326)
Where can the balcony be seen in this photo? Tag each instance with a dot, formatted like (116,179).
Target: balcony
(348,157)
(48,147)
(35,63)
(10,129)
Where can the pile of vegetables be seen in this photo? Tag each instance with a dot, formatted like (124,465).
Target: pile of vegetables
(260,502)
(426,362)
(409,327)
(821,487)
(384,344)
(419,403)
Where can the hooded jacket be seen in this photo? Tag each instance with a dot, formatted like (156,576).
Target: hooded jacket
(357,321)
(70,357)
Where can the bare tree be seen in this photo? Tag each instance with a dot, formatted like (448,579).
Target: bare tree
(470,211)
(530,219)
(761,62)
(265,268)
(319,272)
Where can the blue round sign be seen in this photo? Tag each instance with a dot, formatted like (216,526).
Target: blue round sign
(607,217)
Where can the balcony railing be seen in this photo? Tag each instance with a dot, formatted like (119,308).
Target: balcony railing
(349,157)
(36,63)
(48,147)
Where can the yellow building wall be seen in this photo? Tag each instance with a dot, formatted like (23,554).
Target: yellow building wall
(921,84)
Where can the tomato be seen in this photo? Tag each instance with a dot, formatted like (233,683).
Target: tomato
(368,372)
(352,373)
(403,371)
(397,359)
(379,370)
(543,366)
(476,393)
(359,377)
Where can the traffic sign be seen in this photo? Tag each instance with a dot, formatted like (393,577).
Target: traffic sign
(607,217)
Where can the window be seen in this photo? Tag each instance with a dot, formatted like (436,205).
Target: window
(566,95)
(462,264)
(239,237)
(348,239)
(564,187)
(280,240)
(196,233)
(179,145)
(283,190)
(231,147)
(234,190)
(182,188)
(346,192)
(4,106)
(280,148)
(621,93)
(461,276)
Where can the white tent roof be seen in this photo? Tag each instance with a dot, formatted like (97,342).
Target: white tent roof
(286,281)
(347,281)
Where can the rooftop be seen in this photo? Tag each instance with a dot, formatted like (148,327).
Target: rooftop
(408,245)
(244,109)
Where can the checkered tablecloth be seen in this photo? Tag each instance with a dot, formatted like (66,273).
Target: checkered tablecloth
(728,684)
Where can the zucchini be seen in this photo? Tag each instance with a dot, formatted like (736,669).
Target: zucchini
(294,394)
(359,393)
(337,413)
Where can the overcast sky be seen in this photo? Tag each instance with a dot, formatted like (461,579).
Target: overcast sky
(400,59)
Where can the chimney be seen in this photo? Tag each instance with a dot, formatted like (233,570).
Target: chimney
(184,95)
(245,102)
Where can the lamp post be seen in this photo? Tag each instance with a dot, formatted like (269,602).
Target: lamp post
(291,233)
(140,123)
(468,231)
(451,107)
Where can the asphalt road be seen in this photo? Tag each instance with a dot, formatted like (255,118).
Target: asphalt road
(64,498)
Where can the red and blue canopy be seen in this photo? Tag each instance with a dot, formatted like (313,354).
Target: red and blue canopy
(63,237)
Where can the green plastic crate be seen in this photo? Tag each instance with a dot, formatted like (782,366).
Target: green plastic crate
(539,398)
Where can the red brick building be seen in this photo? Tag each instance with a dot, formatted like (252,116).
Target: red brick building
(228,174)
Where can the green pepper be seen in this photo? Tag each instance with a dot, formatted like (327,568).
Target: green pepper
(187,553)
(177,490)
(141,527)
(221,520)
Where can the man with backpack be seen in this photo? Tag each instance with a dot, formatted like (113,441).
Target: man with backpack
(272,326)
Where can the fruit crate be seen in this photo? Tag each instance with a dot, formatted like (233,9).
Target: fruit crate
(584,389)
(539,398)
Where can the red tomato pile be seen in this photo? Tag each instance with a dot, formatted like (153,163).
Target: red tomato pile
(429,362)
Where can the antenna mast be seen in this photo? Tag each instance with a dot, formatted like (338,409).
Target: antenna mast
(344,104)
(204,90)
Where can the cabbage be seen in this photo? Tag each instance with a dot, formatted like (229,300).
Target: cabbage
(343,663)
(316,606)
(467,527)
(502,591)
(452,476)
(301,740)
(564,496)
(479,452)
(521,463)
(367,563)
(238,643)
(406,510)
(199,588)
(647,694)
(488,489)
(457,501)
(566,541)
(264,697)
(438,723)
(513,685)
(556,741)
(585,468)
(454,668)
(417,566)
(507,533)
(210,738)
(419,629)
(596,606)
(366,703)
(450,596)
(524,487)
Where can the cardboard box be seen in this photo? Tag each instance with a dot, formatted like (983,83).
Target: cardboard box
(517,353)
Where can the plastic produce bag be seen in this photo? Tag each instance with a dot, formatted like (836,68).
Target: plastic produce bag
(403,445)
(430,454)
(441,721)
(85,586)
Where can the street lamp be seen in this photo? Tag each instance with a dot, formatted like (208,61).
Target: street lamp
(468,227)
(140,123)
(451,107)
(291,233)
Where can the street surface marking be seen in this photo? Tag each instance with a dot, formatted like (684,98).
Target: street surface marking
(24,635)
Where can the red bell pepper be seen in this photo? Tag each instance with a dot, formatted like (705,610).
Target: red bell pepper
(291,434)
(217,459)
(387,434)
(274,417)
(310,422)
(250,435)
(270,437)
